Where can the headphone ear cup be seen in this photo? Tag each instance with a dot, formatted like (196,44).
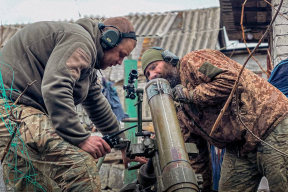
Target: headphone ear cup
(171,60)
(170,57)
(167,58)
(110,39)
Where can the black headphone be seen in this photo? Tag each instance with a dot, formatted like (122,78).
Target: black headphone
(168,56)
(112,38)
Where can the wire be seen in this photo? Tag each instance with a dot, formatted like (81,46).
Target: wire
(28,173)
(255,136)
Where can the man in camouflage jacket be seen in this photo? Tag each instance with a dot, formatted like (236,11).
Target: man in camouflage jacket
(202,82)
(63,58)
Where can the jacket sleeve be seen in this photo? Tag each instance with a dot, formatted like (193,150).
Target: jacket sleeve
(215,92)
(58,81)
(215,75)
(100,112)
(202,164)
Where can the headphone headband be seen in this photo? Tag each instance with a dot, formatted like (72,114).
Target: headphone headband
(168,56)
(130,35)
(112,38)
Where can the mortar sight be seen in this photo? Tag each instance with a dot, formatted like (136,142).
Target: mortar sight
(130,87)
(133,75)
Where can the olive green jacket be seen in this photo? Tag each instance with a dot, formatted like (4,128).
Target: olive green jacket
(62,58)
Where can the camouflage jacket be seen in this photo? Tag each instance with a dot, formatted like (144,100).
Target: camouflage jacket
(210,76)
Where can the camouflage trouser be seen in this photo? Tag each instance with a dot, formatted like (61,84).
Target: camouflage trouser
(244,174)
(57,165)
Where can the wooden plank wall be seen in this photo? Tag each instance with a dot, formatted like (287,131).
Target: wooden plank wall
(257,17)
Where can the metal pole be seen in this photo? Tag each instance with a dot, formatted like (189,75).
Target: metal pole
(130,176)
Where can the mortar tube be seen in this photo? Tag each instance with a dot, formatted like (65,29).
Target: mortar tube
(176,171)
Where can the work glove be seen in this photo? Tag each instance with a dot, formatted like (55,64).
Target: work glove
(181,94)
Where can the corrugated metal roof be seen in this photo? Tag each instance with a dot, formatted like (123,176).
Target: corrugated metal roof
(180,31)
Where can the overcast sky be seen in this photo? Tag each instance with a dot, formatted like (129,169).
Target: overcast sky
(29,11)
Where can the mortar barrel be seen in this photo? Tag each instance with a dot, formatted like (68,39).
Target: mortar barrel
(176,172)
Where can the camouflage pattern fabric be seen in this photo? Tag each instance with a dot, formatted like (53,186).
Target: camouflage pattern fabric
(59,165)
(240,174)
(211,76)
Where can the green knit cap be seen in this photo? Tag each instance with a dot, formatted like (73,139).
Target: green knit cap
(149,56)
